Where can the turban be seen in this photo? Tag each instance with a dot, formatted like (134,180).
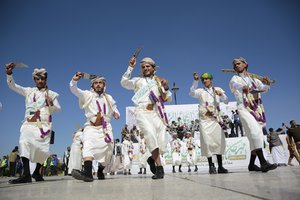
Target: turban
(206,75)
(99,78)
(241,59)
(148,60)
(39,73)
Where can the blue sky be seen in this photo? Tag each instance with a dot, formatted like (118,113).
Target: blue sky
(99,37)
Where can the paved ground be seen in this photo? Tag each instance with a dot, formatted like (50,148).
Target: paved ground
(282,183)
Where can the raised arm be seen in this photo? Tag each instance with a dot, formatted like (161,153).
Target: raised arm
(126,82)
(73,86)
(11,82)
(194,86)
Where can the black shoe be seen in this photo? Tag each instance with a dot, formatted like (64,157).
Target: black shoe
(140,172)
(159,173)
(212,170)
(21,179)
(267,166)
(189,170)
(196,169)
(145,171)
(254,168)
(129,173)
(222,170)
(37,177)
(151,163)
(81,176)
(100,175)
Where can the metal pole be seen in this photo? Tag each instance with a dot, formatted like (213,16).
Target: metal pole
(175,89)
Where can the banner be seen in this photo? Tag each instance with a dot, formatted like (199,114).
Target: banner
(187,112)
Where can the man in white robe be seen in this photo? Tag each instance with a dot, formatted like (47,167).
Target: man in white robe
(143,153)
(176,152)
(212,136)
(40,103)
(246,91)
(151,92)
(127,153)
(97,136)
(191,152)
(75,160)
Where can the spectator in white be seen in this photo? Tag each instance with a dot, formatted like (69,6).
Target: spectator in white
(117,163)
(97,136)
(40,103)
(176,152)
(191,152)
(127,153)
(75,160)
(143,153)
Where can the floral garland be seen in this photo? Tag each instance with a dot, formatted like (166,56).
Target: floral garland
(107,138)
(38,119)
(160,106)
(218,110)
(255,107)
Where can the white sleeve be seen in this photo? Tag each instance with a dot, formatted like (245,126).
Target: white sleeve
(223,98)
(193,89)
(76,91)
(15,87)
(261,86)
(234,85)
(56,106)
(126,82)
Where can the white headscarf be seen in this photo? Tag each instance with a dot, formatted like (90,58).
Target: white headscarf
(240,59)
(99,78)
(148,60)
(39,73)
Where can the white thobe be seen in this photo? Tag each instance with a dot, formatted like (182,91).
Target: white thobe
(31,144)
(127,151)
(93,137)
(212,137)
(144,153)
(176,151)
(191,152)
(75,160)
(253,129)
(149,121)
